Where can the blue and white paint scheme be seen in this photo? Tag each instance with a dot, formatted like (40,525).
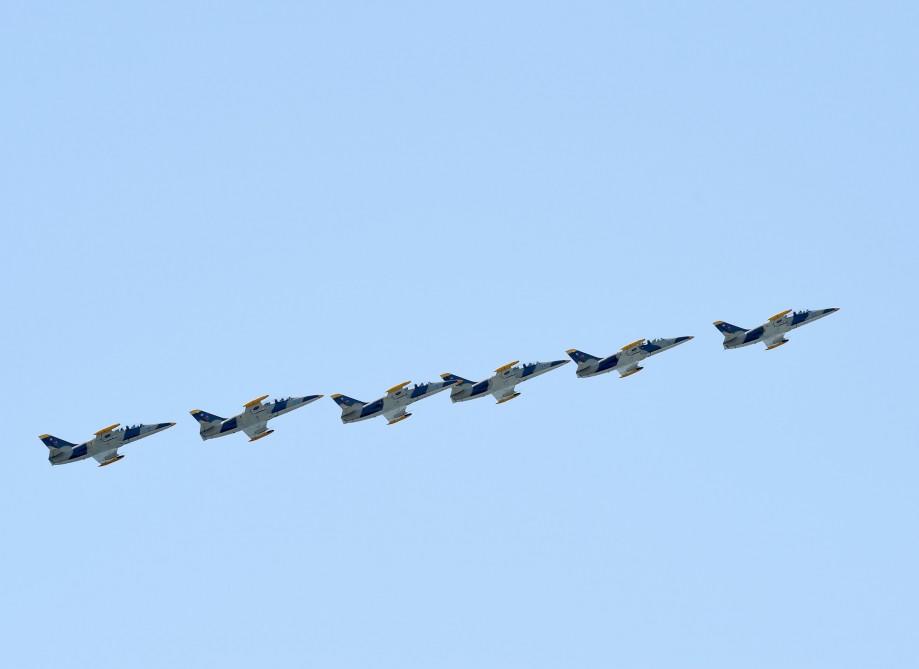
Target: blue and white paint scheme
(392,405)
(772,332)
(502,384)
(626,360)
(253,420)
(103,448)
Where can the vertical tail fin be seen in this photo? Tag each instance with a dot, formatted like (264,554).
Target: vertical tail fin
(53,442)
(347,404)
(580,357)
(209,423)
(204,417)
(583,360)
(449,377)
(727,329)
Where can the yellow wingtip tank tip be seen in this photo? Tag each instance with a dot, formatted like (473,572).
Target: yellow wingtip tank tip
(111,460)
(571,350)
(399,419)
(504,368)
(777,316)
(717,322)
(632,344)
(43,436)
(397,387)
(335,396)
(255,402)
(107,429)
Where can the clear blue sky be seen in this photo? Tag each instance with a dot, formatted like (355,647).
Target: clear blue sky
(205,202)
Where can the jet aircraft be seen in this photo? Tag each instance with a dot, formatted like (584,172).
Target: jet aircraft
(626,360)
(772,332)
(253,421)
(392,405)
(502,384)
(103,448)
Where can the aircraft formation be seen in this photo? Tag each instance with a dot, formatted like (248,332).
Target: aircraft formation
(502,386)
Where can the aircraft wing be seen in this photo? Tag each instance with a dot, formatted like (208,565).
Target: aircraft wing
(256,429)
(396,388)
(629,358)
(505,394)
(395,415)
(106,456)
(252,405)
(629,370)
(774,341)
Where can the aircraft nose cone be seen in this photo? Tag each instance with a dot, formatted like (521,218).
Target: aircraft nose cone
(556,363)
(163,426)
(680,340)
(831,310)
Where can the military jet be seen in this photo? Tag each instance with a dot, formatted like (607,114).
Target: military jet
(253,421)
(392,406)
(626,360)
(772,332)
(104,447)
(502,384)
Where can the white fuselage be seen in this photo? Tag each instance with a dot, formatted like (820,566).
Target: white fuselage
(108,442)
(501,384)
(772,332)
(254,416)
(393,402)
(626,361)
